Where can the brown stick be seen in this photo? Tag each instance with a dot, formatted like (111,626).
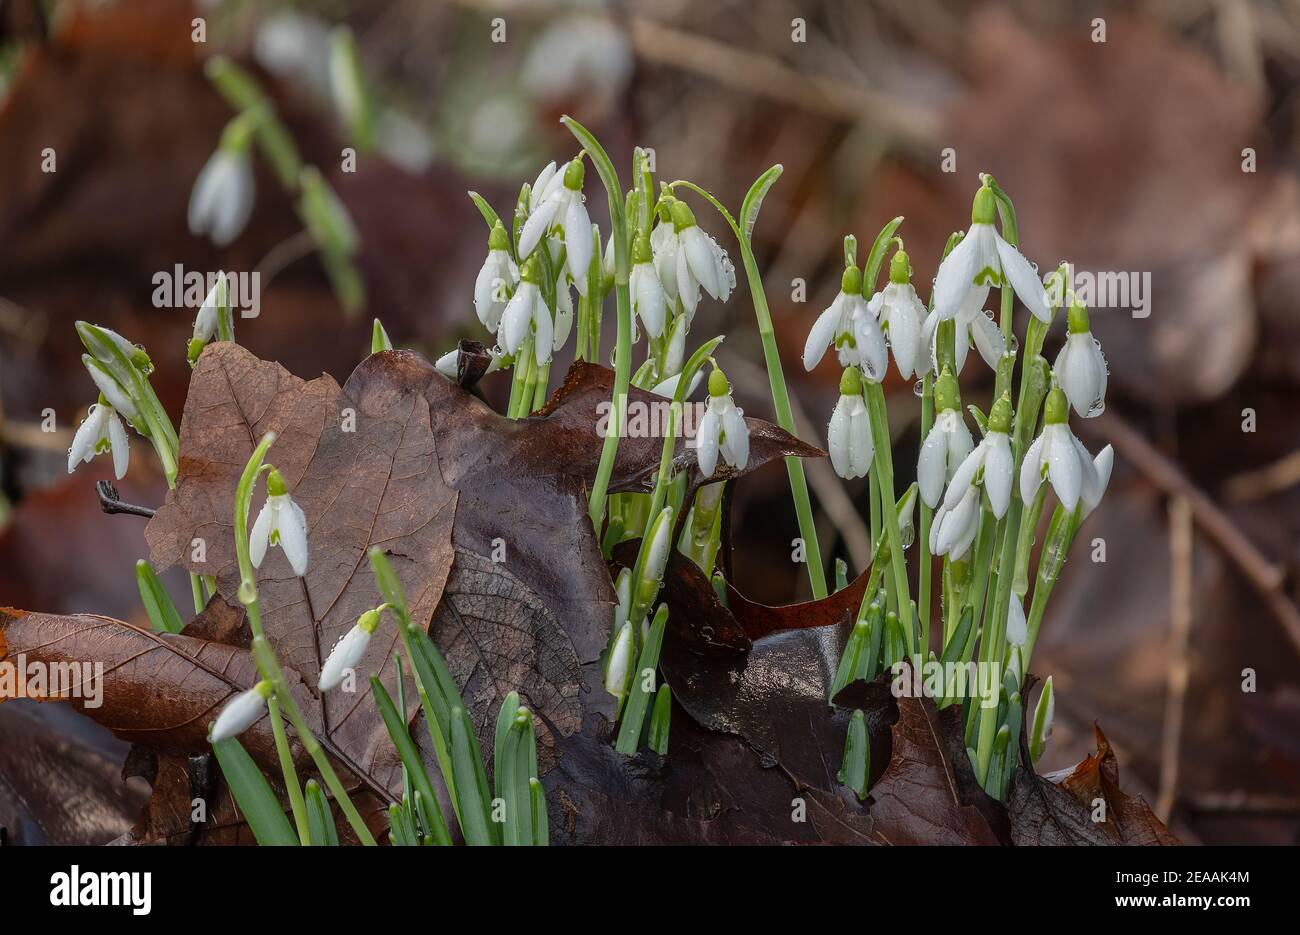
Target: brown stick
(1180,627)
(1266,576)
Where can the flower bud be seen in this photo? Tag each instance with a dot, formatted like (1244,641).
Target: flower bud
(241,713)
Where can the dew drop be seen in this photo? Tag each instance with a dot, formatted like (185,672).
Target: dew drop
(918,388)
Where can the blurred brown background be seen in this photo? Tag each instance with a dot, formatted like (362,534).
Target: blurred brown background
(1125,155)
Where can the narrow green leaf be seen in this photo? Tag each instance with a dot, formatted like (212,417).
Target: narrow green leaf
(163,615)
(661,721)
(471,783)
(505,720)
(854,648)
(489,214)
(401,737)
(320,819)
(638,699)
(753,202)
(541,826)
(856,768)
(253,794)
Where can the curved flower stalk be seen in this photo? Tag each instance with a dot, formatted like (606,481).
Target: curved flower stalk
(1080,367)
(984,259)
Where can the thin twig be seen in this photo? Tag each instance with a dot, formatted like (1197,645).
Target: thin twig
(1266,481)
(1265,576)
(1245,804)
(110,502)
(1180,627)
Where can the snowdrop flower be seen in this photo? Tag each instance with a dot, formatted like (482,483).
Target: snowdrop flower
(347,652)
(281,523)
(100,432)
(1060,457)
(111,390)
(647,292)
(496,278)
(722,429)
(849,437)
(838,325)
(618,665)
(902,313)
(984,259)
(953,530)
(663,250)
(562,205)
(241,713)
(947,444)
(222,198)
(526,313)
(1080,367)
(449,363)
(990,465)
(1101,466)
(699,261)
(973,326)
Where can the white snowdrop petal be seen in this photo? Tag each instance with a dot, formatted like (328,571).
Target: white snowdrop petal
(998,468)
(544,337)
(988,340)
(577,241)
(239,714)
(1017,626)
(737,435)
(963,476)
(837,439)
(688,289)
(649,298)
(932,465)
(346,654)
(1101,466)
(706,442)
(260,537)
(960,443)
(539,190)
(538,223)
(1063,466)
(486,286)
(956,275)
(905,334)
(292,526)
(874,355)
(517,317)
(83,443)
(703,263)
(118,445)
(1020,274)
(1031,471)
(861,446)
(822,333)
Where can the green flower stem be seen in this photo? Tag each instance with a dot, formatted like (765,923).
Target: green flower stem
(296,802)
(541,382)
(775,375)
(982,552)
(883,468)
(264,656)
(623,302)
(923,586)
(1060,536)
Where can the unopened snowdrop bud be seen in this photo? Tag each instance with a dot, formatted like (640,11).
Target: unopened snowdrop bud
(526,313)
(953,530)
(117,355)
(281,522)
(989,465)
(222,199)
(623,591)
(647,292)
(849,436)
(111,390)
(907,516)
(241,713)
(947,444)
(1101,467)
(1058,456)
(496,279)
(834,327)
(1080,367)
(1041,731)
(722,429)
(347,652)
(700,261)
(577,227)
(618,667)
(984,259)
(899,309)
(214,315)
(659,540)
(100,432)
(1017,626)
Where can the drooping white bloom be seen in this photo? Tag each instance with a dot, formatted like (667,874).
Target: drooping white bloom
(851,327)
(1060,457)
(989,465)
(848,439)
(222,199)
(561,205)
(241,712)
(953,529)
(618,666)
(496,279)
(699,261)
(111,389)
(1080,367)
(947,444)
(722,429)
(973,326)
(1101,466)
(347,652)
(526,313)
(668,387)
(902,313)
(101,431)
(647,292)
(281,522)
(984,259)
(663,250)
